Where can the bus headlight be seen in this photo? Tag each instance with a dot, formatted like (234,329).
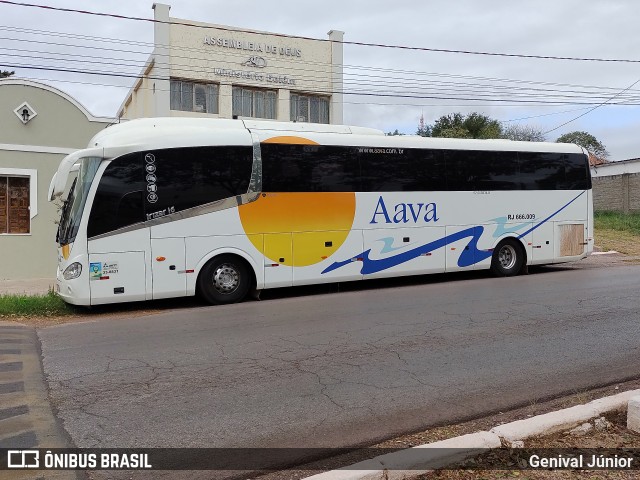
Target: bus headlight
(72,271)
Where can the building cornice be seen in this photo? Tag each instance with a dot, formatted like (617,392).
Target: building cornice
(49,88)
(11,147)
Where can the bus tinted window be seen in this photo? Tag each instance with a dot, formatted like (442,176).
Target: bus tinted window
(544,171)
(495,171)
(577,173)
(460,173)
(313,168)
(136,186)
(309,168)
(181,178)
(120,196)
(397,170)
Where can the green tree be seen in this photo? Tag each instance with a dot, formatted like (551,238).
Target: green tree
(394,134)
(5,73)
(424,131)
(523,133)
(473,125)
(590,143)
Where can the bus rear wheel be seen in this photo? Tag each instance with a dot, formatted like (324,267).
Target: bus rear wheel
(508,258)
(224,279)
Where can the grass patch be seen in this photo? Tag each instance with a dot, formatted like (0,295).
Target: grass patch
(618,231)
(48,305)
(624,222)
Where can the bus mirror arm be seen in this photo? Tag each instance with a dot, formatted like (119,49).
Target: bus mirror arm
(59,181)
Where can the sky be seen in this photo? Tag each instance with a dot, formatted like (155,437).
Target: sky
(405,84)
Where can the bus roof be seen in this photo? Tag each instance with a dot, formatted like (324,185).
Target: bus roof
(168,132)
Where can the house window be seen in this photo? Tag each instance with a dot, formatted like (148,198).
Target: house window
(14,204)
(194,97)
(249,102)
(309,108)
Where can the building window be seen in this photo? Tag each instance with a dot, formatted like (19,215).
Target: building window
(309,108)
(249,102)
(194,97)
(14,204)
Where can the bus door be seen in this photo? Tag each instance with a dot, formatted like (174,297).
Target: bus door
(168,266)
(118,267)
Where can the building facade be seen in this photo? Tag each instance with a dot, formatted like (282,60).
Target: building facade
(199,69)
(40,126)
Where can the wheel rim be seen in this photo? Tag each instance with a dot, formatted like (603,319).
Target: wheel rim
(226,278)
(507,257)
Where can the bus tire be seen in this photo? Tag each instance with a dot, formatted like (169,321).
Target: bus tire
(224,279)
(508,258)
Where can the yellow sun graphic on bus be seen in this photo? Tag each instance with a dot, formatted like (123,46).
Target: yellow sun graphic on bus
(298,229)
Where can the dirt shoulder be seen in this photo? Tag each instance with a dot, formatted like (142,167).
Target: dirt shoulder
(616,436)
(608,434)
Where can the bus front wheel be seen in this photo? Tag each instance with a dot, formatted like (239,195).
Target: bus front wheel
(224,279)
(508,258)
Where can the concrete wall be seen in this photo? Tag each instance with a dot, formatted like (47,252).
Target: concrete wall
(61,126)
(617,193)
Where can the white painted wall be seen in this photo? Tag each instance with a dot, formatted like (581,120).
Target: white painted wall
(616,168)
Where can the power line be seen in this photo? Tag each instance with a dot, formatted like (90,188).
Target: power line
(386,81)
(597,106)
(344,92)
(344,42)
(545,115)
(479,91)
(347,73)
(368,103)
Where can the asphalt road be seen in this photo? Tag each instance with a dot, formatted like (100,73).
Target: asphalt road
(339,369)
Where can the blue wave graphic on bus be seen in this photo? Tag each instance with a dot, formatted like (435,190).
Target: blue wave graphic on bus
(469,256)
(388,245)
(502,229)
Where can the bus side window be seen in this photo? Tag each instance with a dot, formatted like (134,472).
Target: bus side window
(194,176)
(577,172)
(542,171)
(459,177)
(309,168)
(118,201)
(494,170)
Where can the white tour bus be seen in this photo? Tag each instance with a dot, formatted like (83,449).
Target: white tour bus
(167,207)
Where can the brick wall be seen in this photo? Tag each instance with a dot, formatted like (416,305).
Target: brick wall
(617,192)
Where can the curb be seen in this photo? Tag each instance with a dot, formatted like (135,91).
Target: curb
(26,417)
(418,460)
(552,422)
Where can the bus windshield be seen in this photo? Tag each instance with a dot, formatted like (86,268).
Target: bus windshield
(74,205)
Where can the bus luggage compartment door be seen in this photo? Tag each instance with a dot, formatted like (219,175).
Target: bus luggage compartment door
(168,264)
(405,251)
(117,277)
(278,260)
(570,239)
(314,252)
(543,244)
